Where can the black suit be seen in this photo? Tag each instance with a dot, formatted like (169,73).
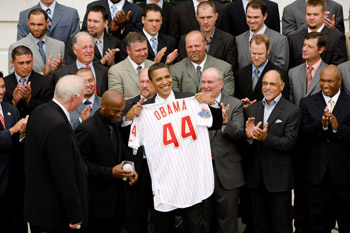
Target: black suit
(167,10)
(223,47)
(270,171)
(238,22)
(326,163)
(163,41)
(42,92)
(335,52)
(109,42)
(135,23)
(100,70)
(243,83)
(184,19)
(100,156)
(56,179)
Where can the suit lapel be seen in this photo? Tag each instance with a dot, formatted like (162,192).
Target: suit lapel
(58,14)
(191,72)
(259,114)
(7,117)
(315,80)
(131,72)
(276,112)
(35,50)
(246,45)
(302,79)
(214,46)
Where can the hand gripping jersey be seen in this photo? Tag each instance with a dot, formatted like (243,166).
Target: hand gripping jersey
(176,141)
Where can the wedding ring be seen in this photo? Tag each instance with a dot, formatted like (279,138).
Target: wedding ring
(78,227)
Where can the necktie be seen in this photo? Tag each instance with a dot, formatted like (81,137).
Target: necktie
(89,68)
(154,45)
(41,50)
(308,76)
(113,139)
(22,81)
(99,46)
(255,78)
(139,69)
(331,103)
(48,11)
(199,72)
(87,102)
(2,121)
(113,11)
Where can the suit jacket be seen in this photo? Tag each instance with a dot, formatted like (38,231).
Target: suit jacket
(345,73)
(184,19)
(297,82)
(335,52)
(65,23)
(293,16)
(100,70)
(56,179)
(123,77)
(224,145)
(185,76)
(163,41)
(74,116)
(243,83)
(167,10)
(135,23)
(279,49)
(238,19)
(53,47)
(42,92)
(325,150)
(223,47)
(100,158)
(271,160)
(8,143)
(109,42)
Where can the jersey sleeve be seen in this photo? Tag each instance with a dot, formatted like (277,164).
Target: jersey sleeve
(203,114)
(135,137)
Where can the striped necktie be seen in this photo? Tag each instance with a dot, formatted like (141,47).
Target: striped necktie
(308,77)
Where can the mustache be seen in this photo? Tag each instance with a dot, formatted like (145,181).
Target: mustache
(268,91)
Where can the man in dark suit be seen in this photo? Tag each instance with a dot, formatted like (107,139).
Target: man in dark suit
(56,179)
(325,131)
(220,44)
(11,125)
(26,89)
(64,21)
(271,130)
(335,52)
(106,46)
(124,17)
(222,205)
(83,47)
(167,9)
(161,47)
(103,151)
(245,90)
(184,19)
(237,13)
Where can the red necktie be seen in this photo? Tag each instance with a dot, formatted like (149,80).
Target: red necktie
(2,121)
(89,68)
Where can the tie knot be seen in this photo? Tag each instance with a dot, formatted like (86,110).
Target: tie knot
(153,39)
(256,71)
(88,67)
(41,43)
(87,102)
(48,11)
(199,68)
(139,69)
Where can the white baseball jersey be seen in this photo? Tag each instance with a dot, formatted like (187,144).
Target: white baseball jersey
(176,141)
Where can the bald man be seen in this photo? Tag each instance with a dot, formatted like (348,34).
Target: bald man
(103,150)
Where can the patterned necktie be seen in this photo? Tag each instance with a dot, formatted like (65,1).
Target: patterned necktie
(331,103)
(199,72)
(154,45)
(22,81)
(99,46)
(255,78)
(48,11)
(308,77)
(113,11)
(41,50)
(2,121)
(139,69)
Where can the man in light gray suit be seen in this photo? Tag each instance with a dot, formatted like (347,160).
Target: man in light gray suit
(64,21)
(279,49)
(124,76)
(91,102)
(47,52)
(345,73)
(300,85)
(187,73)
(293,17)
(227,167)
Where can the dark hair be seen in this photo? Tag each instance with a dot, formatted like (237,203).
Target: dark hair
(156,66)
(321,38)
(151,7)
(133,37)
(101,9)
(258,4)
(1,74)
(314,3)
(20,50)
(207,3)
(38,11)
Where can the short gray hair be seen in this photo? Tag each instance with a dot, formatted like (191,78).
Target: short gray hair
(76,37)
(219,74)
(67,86)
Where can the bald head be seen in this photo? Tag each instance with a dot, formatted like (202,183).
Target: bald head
(330,80)
(112,106)
(146,87)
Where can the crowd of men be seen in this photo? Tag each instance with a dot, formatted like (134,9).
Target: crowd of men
(219,114)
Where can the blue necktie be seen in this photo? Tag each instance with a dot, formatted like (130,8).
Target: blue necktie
(41,50)
(87,102)
(154,45)
(113,11)
(48,11)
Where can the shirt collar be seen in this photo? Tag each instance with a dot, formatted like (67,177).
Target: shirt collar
(335,97)
(81,65)
(19,77)
(318,30)
(218,100)
(91,99)
(160,3)
(36,40)
(148,36)
(314,66)
(274,101)
(100,39)
(63,108)
(262,31)
(261,68)
(136,65)
(118,5)
(211,36)
(159,99)
(51,7)
(201,65)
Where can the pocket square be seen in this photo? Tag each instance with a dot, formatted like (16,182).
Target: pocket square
(278,121)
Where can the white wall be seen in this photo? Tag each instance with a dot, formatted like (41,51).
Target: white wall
(9,13)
